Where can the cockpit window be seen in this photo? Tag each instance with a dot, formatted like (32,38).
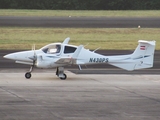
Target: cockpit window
(69,49)
(52,49)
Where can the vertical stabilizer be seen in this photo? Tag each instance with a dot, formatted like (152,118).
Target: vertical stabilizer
(141,58)
(144,54)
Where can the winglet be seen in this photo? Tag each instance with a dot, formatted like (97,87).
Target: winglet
(66,40)
(76,53)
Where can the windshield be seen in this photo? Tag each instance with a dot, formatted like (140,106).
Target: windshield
(52,49)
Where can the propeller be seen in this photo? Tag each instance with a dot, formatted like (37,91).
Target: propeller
(34,57)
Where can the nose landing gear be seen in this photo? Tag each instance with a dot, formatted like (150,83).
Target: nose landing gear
(28,75)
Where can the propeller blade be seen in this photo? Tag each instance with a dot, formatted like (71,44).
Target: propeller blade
(34,57)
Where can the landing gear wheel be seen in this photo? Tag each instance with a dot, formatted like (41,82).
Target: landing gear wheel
(64,77)
(28,75)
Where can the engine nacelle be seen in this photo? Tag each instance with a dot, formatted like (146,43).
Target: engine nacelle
(41,63)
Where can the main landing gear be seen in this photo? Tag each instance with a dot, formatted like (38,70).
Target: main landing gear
(60,73)
(28,75)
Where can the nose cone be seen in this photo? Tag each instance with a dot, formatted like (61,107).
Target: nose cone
(11,56)
(20,56)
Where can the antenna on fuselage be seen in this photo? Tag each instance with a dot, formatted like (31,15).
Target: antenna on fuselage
(96,49)
(86,44)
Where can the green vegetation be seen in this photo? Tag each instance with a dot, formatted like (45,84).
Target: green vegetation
(116,38)
(81,4)
(99,13)
(106,38)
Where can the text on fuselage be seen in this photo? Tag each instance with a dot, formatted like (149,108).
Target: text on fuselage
(98,60)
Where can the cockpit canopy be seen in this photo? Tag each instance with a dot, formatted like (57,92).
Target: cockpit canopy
(52,48)
(57,48)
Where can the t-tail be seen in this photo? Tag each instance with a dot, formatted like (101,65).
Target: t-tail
(141,58)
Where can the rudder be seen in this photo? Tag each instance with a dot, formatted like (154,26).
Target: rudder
(144,54)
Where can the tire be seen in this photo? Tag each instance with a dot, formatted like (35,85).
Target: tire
(63,78)
(28,75)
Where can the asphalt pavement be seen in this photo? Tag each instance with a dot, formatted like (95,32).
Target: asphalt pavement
(80,97)
(80,22)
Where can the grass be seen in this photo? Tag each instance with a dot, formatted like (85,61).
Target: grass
(116,38)
(97,13)
(106,38)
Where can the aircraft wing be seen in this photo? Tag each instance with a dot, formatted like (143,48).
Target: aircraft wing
(66,40)
(66,60)
(72,59)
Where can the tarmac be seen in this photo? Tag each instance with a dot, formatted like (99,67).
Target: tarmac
(88,96)
(80,22)
(80,97)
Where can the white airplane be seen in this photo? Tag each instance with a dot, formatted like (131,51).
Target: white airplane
(58,55)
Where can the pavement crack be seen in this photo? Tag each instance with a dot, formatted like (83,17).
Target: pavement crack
(13,94)
(150,98)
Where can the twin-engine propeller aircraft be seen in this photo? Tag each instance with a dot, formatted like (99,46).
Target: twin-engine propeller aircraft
(58,55)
